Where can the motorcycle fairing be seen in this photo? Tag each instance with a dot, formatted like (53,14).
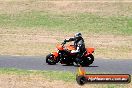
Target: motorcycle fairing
(89,51)
(55,54)
(59,47)
(70,47)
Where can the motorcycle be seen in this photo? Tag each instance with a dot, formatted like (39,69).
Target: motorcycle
(64,56)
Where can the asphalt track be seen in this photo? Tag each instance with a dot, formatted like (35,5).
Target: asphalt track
(38,63)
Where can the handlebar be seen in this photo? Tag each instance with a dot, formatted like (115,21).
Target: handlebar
(64,42)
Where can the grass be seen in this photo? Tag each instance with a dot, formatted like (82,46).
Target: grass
(83,22)
(33,27)
(29,76)
(53,75)
(25,28)
(114,52)
(24,25)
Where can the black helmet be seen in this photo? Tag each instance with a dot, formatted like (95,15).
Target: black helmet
(78,35)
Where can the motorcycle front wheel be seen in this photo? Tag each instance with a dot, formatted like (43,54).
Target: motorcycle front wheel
(50,59)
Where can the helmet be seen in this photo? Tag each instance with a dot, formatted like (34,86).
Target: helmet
(78,35)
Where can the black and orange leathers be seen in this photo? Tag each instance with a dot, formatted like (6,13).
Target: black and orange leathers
(78,42)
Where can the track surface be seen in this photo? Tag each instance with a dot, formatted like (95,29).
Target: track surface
(38,63)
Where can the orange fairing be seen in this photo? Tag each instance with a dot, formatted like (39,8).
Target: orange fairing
(55,54)
(59,47)
(90,50)
(70,47)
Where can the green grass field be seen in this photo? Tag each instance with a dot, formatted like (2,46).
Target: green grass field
(53,75)
(83,22)
(62,25)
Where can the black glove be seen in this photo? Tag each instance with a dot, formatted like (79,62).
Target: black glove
(64,43)
(65,40)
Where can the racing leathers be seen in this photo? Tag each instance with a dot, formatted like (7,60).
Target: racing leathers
(79,46)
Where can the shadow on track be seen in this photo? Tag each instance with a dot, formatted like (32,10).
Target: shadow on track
(82,66)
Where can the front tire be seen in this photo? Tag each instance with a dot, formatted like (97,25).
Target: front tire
(50,59)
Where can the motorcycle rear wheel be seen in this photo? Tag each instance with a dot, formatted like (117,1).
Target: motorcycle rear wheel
(87,60)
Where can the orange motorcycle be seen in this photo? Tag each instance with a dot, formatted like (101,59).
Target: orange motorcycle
(64,56)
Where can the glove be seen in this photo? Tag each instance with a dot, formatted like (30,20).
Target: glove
(65,40)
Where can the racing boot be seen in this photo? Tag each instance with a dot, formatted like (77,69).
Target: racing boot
(77,61)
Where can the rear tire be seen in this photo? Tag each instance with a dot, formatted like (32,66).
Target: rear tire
(50,59)
(91,58)
(87,60)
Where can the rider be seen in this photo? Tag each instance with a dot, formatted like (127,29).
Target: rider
(78,44)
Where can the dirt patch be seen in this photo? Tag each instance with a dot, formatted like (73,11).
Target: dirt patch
(41,42)
(14,81)
(36,81)
(100,7)
(38,41)
(30,35)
